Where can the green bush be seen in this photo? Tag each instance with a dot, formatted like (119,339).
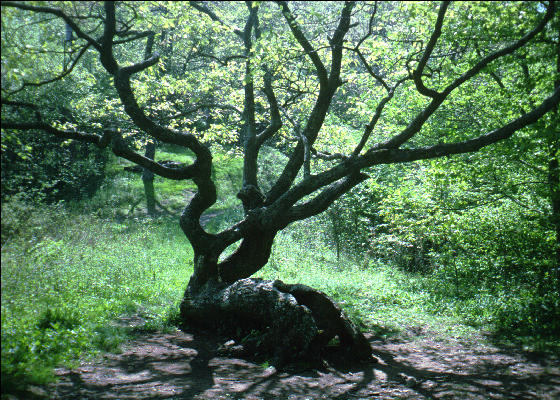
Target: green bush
(49,169)
(529,315)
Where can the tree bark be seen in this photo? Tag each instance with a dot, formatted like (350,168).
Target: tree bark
(554,185)
(273,319)
(554,174)
(252,255)
(148,180)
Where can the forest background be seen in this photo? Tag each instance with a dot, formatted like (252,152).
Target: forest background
(459,243)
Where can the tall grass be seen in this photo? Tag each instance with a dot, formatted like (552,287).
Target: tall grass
(68,274)
(66,278)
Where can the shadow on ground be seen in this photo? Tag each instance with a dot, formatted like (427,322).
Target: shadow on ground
(187,366)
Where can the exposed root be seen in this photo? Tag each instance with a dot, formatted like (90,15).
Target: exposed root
(287,322)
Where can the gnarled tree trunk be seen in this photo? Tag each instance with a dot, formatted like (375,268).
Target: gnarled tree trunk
(285,322)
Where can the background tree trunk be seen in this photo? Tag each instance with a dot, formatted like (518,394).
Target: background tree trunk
(148,180)
(554,184)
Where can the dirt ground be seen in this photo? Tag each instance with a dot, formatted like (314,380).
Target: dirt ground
(420,365)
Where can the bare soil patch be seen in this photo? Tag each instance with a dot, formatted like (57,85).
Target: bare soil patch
(422,365)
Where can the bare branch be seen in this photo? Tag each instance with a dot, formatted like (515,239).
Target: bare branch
(370,27)
(120,149)
(379,109)
(304,43)
(249,127)
(202,8)
(417,123)
(337,44)
(98,140)
(327,88)
(502,52)
(370,70)
(326,156)
(135,36)
(388,156)
(323,200)
(135,68)
(275,119)
(54,79)
(470,145)
(133,110)
(417,74)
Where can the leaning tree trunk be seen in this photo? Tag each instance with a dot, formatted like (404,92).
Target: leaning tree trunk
(286,322)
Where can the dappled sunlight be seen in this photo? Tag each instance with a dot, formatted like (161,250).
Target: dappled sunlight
(187,366)
(316,184)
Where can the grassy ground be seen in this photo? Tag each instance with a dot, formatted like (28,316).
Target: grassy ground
(66,278)
(69,270)
(63,282)
(378,297)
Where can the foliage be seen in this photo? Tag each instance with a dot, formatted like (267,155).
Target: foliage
(473,238)
(53,171)
(498,252)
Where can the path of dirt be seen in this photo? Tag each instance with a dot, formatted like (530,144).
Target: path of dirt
(185,365)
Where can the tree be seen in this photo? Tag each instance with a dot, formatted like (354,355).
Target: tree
(354,88)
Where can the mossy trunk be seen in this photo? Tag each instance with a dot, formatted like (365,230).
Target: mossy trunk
(285,322)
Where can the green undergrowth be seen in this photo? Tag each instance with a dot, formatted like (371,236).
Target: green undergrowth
(380,298)
(68,275)
(69,271)
(388,301)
